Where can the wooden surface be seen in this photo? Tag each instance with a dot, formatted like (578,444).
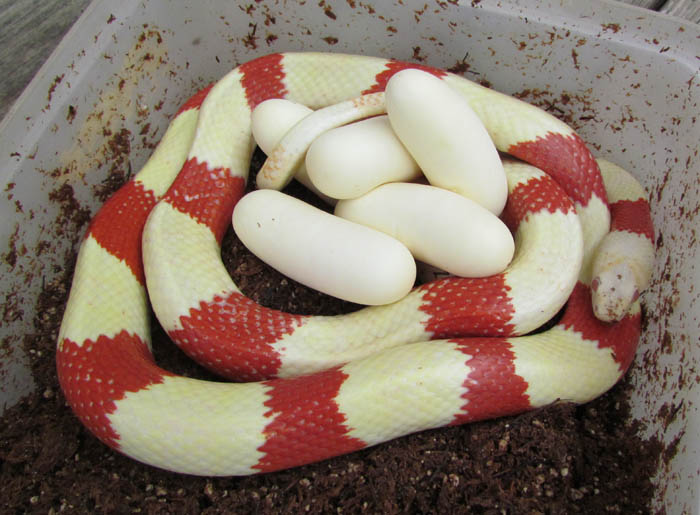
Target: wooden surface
(31,29)
(29,32)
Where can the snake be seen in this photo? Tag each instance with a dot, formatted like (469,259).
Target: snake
(297,389)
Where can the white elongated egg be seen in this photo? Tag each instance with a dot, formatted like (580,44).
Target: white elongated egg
(271,120)
(439,227)
(322,251)
(446,138)
(353,159)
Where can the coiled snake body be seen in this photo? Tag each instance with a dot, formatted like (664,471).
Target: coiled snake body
(451,352)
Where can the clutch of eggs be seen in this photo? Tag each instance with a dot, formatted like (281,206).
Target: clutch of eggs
(383,217)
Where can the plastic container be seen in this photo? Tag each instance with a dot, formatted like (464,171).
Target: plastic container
(625,78)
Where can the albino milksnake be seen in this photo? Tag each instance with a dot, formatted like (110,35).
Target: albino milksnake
(449,353)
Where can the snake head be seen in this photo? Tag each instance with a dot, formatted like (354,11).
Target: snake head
(613,291)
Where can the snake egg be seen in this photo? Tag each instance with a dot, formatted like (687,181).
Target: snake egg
(446,138)
(349,161)
(322,251)
(270,121)
(438,226)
